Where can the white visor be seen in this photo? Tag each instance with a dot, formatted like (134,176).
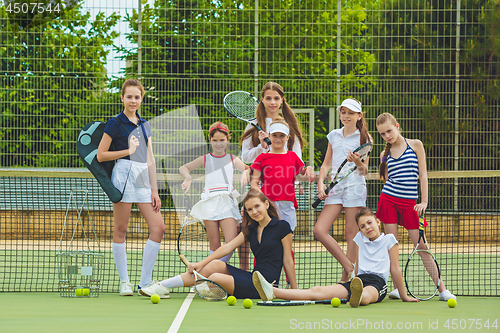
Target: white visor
(277,127)
(351,104)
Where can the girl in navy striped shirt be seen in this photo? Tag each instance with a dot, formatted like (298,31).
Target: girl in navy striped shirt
(402,166)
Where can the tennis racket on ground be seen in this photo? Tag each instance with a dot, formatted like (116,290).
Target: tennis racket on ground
(206,288)
(422,276)
(242,105)
(295,303)
(192,241)
(345,170)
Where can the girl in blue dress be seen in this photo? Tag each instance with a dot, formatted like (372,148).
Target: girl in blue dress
(270,241)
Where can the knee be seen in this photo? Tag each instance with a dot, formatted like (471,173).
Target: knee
(319,232)
(158,229)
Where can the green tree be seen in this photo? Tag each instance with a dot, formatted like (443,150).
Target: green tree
(53,77)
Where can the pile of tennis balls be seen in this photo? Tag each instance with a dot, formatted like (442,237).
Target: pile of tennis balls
(82,292)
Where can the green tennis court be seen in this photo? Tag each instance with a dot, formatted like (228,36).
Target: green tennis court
(47,312)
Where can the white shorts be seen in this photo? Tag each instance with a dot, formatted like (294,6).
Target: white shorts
(351,196)
(138,188)
(216,206)
(286,212)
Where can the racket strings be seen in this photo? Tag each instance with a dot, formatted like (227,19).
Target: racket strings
(241,105)
(193,242)
(209,290)
(422,275)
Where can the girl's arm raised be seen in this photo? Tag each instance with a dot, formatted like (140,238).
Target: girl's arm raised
(288,260)
(418,147)
(222,251)
(186,168)
(396,275)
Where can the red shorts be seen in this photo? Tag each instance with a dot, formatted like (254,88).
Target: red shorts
(392,210)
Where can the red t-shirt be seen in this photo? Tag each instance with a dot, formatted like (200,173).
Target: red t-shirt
(278,175)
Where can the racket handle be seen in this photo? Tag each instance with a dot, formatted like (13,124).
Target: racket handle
(318,201)
(184,259)
(268,142)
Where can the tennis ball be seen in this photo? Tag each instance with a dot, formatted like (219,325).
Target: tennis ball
(247,303)
(335,302)
(452,302)
(231,300)
(86,291)
(155,299)
(79,292)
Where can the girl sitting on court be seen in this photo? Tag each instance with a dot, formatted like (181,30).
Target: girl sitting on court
(350,194)
(270,241)
(402,166)
(377,255)
(218,207)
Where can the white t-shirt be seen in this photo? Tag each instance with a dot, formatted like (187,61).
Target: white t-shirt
(249,153)
(373,256)
(340,149)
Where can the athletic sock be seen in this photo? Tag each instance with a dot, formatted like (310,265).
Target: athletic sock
(148,261)
(173,282)
(120,257)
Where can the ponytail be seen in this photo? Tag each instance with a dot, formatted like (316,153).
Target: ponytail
(364,136)
(382,168)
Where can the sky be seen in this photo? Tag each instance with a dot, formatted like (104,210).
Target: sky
(121,7)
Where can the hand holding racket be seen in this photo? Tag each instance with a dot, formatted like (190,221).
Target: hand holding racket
(345,169)
(242,105)
(206,288)
(422,276)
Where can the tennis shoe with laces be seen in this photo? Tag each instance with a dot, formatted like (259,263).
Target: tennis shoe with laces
(394,294)
(155,288)
(126,289)
(264,288)
(356,292)
(446,295)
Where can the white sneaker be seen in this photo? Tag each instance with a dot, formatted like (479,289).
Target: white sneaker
(155,288)
(126,289)
(446,295)
(264,288)
(394,294)
(356,292)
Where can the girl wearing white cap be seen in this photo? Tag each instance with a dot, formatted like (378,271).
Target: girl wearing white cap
(350,195)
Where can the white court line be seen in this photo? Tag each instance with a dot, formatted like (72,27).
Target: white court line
(176,324)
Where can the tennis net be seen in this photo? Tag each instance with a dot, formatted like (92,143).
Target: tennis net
(463,213)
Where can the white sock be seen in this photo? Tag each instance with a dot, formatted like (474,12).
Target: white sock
(120,256)
(173,282)
(148,261)
(226,258)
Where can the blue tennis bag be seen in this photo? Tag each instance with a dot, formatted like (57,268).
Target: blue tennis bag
(86,145)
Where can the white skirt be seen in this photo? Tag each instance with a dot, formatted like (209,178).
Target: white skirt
(216,206)
(138,188)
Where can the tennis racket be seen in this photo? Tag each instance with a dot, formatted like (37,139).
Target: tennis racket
(295,303)
(345,169)
(242,105)
(422,276)
(192,241)
(206,288)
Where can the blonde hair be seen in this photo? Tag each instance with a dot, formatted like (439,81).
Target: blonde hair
(133,83)
(280,120)
(382,168)
(286,111)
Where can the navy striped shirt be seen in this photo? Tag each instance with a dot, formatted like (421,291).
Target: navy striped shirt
(402,181)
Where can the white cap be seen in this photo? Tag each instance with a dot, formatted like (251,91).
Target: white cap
(351,104)
(278,127)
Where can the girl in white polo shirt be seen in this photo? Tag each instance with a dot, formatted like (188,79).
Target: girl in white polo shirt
(349,195)
(377,255)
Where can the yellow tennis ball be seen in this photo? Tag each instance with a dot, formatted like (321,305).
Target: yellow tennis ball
(335,302)
(79,292)
(452,302)
(247,303)
(231,300)
(86,291)
(155,299)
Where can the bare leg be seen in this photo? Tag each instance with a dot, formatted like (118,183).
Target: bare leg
(121,216)
(351,229)
(215,266)
(154,220)
(370,295)
(321,231)
(314,293)
(392,229)
(213,234)
(244,252)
